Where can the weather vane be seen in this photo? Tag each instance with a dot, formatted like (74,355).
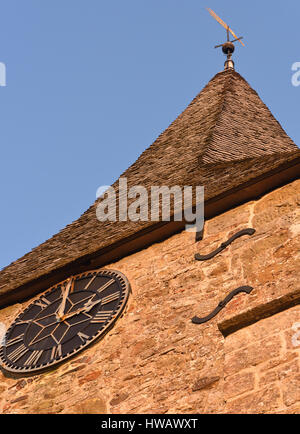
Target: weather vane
(228,46)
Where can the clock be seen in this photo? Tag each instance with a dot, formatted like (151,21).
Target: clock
(64,320)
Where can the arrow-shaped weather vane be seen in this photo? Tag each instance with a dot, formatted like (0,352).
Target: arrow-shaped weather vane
(228,46)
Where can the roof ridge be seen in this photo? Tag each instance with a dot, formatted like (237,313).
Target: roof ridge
(224,93)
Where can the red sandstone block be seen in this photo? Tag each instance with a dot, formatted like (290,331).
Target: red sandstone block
(262,401)
(90,377)
(238,384)
(291,390)
(253,355)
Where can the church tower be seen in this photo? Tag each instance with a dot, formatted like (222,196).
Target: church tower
(139,316)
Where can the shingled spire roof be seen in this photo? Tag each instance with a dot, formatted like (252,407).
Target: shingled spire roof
(226,140)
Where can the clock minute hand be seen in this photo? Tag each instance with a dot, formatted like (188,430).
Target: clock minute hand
(62,306)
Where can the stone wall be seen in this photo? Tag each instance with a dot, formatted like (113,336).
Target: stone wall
(261,369)
(156,361)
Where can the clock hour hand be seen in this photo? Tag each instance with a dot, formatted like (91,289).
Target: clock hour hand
(89,305)
(85,309)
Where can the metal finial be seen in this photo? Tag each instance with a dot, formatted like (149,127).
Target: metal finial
(228,47)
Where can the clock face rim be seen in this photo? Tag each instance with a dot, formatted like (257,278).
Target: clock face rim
(125,290)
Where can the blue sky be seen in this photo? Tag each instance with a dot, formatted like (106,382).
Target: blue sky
(92,83)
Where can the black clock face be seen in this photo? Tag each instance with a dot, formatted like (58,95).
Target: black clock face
(64,320)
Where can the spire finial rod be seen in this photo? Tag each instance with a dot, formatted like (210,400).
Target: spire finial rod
(228,47)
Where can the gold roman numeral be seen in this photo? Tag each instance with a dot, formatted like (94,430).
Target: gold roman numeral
(43,302)
(110,298)
(106,285)
(15,340)
(56,352)
(90,282)
(101,317)
(18,353)
(83,337)
(33,358)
